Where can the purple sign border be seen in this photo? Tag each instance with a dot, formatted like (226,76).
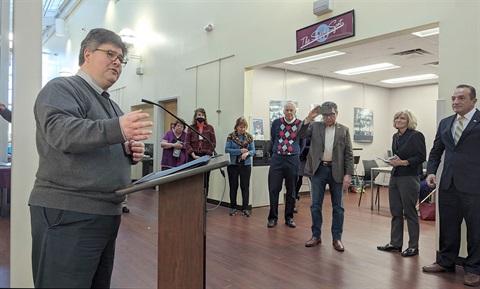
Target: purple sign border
(327,31)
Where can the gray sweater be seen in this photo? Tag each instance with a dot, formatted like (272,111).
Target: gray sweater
(80,145)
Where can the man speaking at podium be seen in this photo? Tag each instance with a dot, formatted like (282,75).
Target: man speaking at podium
(86,146)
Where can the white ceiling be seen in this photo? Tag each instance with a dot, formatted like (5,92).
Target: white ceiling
(380,51)
(55,9)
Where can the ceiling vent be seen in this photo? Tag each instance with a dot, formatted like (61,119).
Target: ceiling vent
(415,52)
(321,7)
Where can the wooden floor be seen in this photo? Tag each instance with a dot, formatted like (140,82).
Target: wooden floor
(243,253)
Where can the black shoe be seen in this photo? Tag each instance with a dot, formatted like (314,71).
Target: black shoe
(271,223)
(410,252)
(232,212)
(125,210)
(389,248)
(295,210)
(290,223)
(246,213)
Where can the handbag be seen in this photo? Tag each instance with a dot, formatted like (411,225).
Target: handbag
(427,210)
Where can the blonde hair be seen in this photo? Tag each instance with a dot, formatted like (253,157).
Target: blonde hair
(411,119)
(240,121)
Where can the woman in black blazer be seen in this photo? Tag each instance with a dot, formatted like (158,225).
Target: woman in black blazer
(408,147)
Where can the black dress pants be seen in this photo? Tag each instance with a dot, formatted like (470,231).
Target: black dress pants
(282,168)
(234,173)
(454,207)
(71,249)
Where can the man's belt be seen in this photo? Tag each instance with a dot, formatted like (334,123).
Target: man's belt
(325,164)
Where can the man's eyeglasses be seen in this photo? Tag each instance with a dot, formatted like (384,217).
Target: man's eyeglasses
(330,115)
(112,55)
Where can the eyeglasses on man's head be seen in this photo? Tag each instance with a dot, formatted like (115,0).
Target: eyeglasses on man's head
(112,55)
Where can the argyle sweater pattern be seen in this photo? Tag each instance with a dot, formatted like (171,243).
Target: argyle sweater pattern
(287,142)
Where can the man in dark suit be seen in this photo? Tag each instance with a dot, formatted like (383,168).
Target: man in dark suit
(458,136)
(329,161)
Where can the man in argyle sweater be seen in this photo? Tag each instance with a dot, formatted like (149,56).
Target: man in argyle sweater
(284,163)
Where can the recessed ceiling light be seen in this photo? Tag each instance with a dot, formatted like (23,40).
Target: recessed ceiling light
(315,57)
(367,69)
(427,32)
(410,78)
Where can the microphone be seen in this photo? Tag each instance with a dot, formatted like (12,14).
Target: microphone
(215,154)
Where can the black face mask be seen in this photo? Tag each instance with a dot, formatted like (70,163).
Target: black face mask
(200,119)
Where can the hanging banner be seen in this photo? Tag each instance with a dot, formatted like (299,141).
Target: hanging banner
(327,31)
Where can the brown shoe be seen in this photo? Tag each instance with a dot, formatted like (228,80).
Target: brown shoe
(471,279)
(337,244)
(314,241)
(435,268)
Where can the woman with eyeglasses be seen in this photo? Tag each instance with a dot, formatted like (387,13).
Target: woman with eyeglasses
(173,145)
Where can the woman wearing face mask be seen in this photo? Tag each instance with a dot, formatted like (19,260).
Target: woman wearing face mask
(196,145)
(173,144)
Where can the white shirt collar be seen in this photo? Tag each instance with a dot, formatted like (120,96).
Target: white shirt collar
(468,115)
(290,122)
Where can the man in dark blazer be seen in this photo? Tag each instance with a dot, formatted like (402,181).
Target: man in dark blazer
(458,137)
(329,161)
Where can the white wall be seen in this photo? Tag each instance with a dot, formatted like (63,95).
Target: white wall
(422,100)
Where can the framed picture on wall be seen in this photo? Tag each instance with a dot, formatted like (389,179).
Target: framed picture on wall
(257,129)
(363,125)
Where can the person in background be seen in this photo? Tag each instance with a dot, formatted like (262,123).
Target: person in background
(458,140)
(86,147)
(305,147)
(329,161)
(173,144)
(284,163)
(241,148)
(409,153)
(5,112)
(197,146)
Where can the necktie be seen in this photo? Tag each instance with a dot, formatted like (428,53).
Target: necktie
(459,129)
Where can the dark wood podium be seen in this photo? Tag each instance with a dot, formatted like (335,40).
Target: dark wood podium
(181,224)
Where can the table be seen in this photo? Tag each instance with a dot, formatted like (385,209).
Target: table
(5,177)
(386,170)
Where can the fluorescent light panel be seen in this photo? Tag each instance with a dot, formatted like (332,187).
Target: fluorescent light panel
(410,78)
(315,57)
(427,32)
(367,69)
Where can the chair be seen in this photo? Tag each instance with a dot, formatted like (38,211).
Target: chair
(355,180)
(370,181)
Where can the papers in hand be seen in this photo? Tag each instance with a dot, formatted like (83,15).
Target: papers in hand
(387,160)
